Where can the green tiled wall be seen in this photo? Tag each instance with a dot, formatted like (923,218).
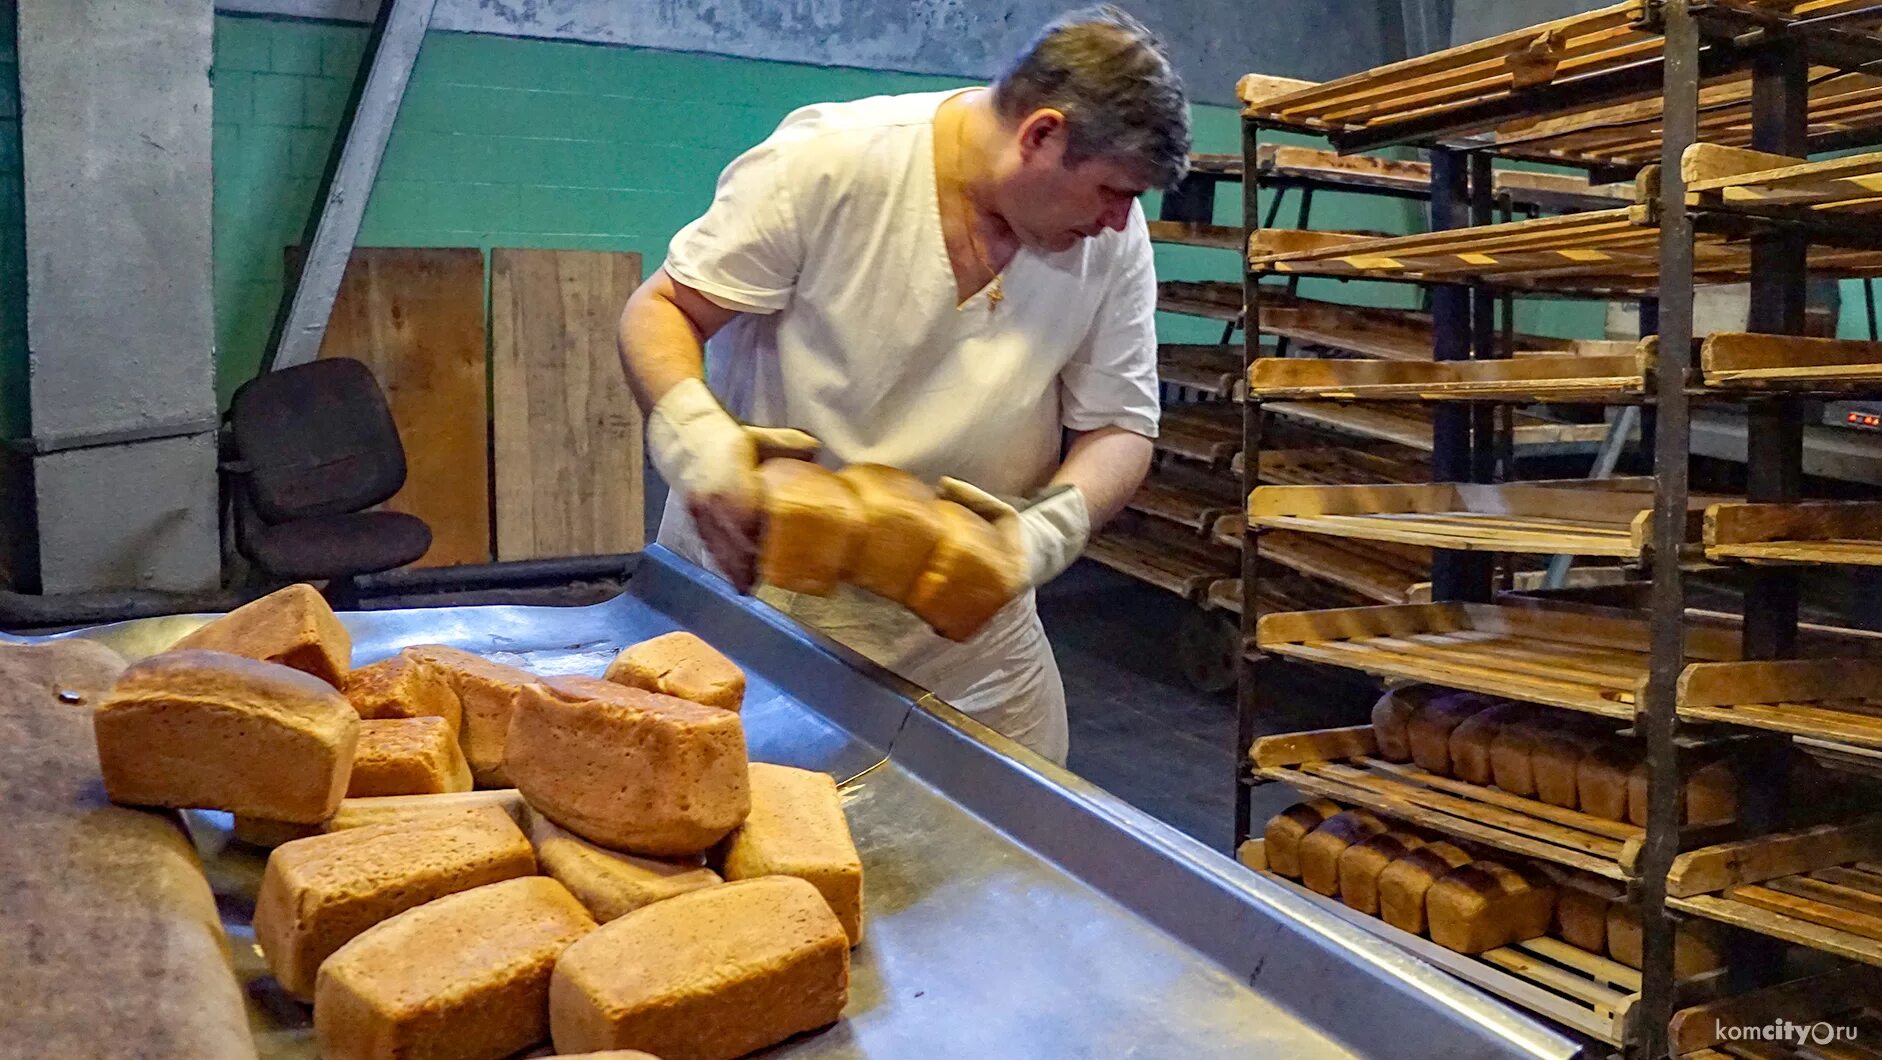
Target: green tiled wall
(13,403)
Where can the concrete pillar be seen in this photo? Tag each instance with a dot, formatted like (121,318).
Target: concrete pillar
(115,111)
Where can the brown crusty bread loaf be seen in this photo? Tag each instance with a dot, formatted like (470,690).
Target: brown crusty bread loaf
(1281,839)
(320,892)
(403,686)
(487,693)
(1698,946)
(680,664)
(716,973)
(111,944)
(1429,730)
(1471,741)
(1404,883)
(215,731)
(1361,864)
(797,828)
(407,756)
(813,525)
(397,809)
(1512,756)
(293,626)
(628,769)
(1321,849)
(1555,763)
(466,975)
(1486,904)
(611,884)
(1710,795)
(1601,779)
(900,529)
(1393,713)
(1581,919)
(973,572)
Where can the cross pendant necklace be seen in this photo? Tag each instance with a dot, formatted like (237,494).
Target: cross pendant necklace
(996,286)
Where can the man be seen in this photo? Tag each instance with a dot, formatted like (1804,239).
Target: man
(943,283)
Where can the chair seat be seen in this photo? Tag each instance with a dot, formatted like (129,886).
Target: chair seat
(338,546)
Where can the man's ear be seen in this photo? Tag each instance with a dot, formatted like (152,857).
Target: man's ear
(1041,130)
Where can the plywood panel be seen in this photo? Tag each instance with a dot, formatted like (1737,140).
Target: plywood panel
(416,318)
(568,434)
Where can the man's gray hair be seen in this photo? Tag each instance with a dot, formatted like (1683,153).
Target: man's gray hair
(1107,74)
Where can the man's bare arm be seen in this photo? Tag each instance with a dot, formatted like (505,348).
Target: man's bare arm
(1107,465)
(662,336)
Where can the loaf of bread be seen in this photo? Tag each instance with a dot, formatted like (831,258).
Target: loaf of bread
(266,834)
(1555,764)
(1698,946)
(407,756)
(293,626)
(1392,715)
(1404,883)
(1281,839)
(611,884)
(1471,741)
(215,731)
(1321,849)
(110,944)
(813,525)
(1581,919)
(320,892)
(797,828)
(973,572)
(1429,730)
(1709,796)
(1361,864)
(715,973)
(631,770)
(398,809)
(1512,756)
(487,693)
(465,976)
(1601,779)
(1486,904)
(403,686)
(680,664)
(901,528)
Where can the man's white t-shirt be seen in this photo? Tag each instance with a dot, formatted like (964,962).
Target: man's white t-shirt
(828,236)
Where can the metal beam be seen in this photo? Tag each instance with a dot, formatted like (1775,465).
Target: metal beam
(307,299)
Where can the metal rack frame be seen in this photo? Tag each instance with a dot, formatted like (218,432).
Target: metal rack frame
(1699,40)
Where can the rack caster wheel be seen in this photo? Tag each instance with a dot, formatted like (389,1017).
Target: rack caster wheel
(1205,649)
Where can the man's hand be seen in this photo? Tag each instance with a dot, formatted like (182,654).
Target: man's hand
(713,459)
(1047,532)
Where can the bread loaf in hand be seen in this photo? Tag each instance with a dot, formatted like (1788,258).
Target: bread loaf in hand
(900,529)
(974,571)
(813,525)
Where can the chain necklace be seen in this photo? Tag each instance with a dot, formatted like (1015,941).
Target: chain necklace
(996,286)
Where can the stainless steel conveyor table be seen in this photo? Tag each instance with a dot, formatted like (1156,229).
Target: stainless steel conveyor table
(1013,910)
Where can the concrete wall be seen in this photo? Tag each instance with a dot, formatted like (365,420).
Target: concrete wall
(1212,42)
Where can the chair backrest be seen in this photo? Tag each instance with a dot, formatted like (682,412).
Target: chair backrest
(317,439)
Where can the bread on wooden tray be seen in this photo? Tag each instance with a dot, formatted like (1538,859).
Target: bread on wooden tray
(901,529)
(715,973)
(609,883)
(631,770)
(1320,850)
(407,756)
(680,664)
(1361,864)
(466,975)
(813,524)
(796,828)
(320,892)
(1709,796)
(1581,919)
(294,627)
(1285,830)
(1555,763)
(1601,778)
(486,692)
(1403,884)
(1470,742)
(1429,730)
(1485,905)
(1698,945)
(404,686)
(1512,755)
(1392,714)
(216,731)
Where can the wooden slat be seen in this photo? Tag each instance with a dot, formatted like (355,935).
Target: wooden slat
(416,318)
(1211,368)
(1410,426)
(1208,432)
(1183,233)
(1571,377)
(1187,503)
(1808,910)
(1782,926)
(1785,362)
(567,430)
(1216,300)
(1824,996)
(1716,868)
(1806,697)
(1390,174)
(1380,575)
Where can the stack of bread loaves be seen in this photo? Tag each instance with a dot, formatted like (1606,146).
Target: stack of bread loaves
(642,886)
(884,530)
(1429,886)
(1574,761)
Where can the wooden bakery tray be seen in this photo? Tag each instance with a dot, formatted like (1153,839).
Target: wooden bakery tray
(1848,532)
(1184,233)
(1343,765)
(1288,164)
(1192,501)
(1209,432)
(1166,557)
(1380,572)
(1211,368)
(1410,425)
(1847,998)
(1577,989)
(1215,299)
(1831,699)
(1334,465)
(1601,517)
(1587,372)
(1819,887)
(1791,364)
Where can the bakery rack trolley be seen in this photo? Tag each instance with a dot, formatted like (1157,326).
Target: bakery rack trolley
(1710,107)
